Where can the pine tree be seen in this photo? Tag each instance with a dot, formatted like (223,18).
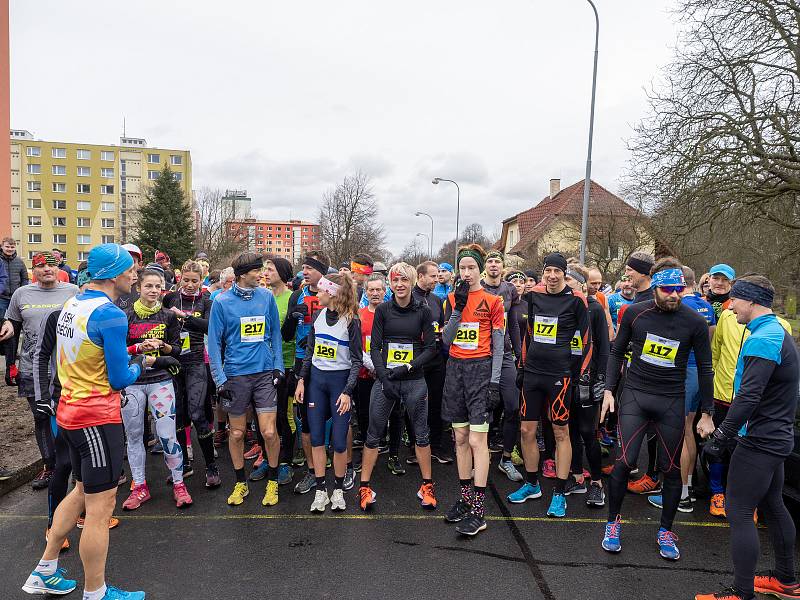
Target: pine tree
(165,222)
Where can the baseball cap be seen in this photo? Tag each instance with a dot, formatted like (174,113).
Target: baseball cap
(723,269)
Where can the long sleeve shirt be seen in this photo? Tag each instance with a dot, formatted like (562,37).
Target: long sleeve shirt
(402,335)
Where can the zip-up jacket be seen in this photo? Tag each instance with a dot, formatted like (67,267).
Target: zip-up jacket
(162,325)
(194,326)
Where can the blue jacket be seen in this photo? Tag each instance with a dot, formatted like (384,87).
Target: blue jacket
(249,331)
(442,290)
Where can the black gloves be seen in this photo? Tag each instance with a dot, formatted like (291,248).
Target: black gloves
(396,372)
(224,393)
(137,360)
(461,294)
(169,364)
(391,389)
(46,407)
(300,311)
(494,396)
(599,388)
(278,377)
(718,446)
(520,377)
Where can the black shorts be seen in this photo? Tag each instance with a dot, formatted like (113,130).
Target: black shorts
(256,390)
(96,454)
(465,398)
(540,391)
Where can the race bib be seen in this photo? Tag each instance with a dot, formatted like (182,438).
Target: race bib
(545,329)
(325,349)
(659,351)
(576,344)
(436,328)
(467,336)
(251,329)
(367,343)
(184,342)
(400,354)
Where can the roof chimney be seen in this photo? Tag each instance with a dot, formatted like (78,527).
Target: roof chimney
(555,187)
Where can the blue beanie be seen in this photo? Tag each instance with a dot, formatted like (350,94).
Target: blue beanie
(108,261)
(446,267)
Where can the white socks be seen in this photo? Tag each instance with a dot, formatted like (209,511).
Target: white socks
(47,567)
(95,595)
(684,492)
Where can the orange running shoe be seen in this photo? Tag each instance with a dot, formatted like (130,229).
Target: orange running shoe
(644,485)
(717,508)
(254,452)
(726,594)
(426,496)
(112,522)
(607,469)
(366,497)
(769,584)
(64,545)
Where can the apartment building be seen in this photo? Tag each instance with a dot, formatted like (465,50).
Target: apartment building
(290,239)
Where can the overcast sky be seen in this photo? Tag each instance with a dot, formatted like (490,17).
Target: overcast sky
(284,99)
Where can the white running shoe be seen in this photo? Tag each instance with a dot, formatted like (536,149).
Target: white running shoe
(321,500)
(337,500)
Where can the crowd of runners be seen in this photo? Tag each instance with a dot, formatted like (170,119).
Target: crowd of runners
(326,369)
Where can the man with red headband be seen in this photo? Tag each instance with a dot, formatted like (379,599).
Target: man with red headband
(29,307)
(361,267)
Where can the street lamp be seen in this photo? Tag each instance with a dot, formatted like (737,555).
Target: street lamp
(436,181)
(430,245)
(587,182)
(429,240)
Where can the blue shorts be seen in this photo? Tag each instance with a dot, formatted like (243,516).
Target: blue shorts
(692,393)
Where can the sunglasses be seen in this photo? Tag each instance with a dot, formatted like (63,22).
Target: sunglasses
(670,289)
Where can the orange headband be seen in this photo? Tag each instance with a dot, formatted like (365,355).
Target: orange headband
(360,269)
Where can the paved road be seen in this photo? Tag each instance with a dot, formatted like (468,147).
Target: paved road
(398,551)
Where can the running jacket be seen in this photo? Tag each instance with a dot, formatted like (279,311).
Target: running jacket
(598,342)
(766,389)
(437,316)
(193,328)
(402,335)
(508,293)
(162,325)
(249,332)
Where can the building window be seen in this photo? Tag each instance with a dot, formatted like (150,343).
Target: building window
(34,221)
(59,153)
(107,189)
(84,239)
(35,203)
(84,205)
(178,176)
(59,238)
(34,169)
(59,221)
(176,160)
(154,159)
(107,223)
(59,169)
(84,171)
(84,188)
(34,238)
(153,175)
(83,255)
(84,154)
(107,239)
(84,222)
(34,186)
(107,173)
(59,187)
(106,155)
(107,206)
(59,205)
(36,151)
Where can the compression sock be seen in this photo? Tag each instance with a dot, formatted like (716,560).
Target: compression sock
(47,567)
(338,483)
(560,486)
(207,448)
(477,505)
(532,477)
(240,476)
(466,490)
(272,473)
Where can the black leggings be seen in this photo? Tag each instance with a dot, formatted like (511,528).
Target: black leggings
(285,390)
(755,480)
(192,389)
(44,435)
(362,398)
(59,482)
(434,379)
(637,412)
(583,435)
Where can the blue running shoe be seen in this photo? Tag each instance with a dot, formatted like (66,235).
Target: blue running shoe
(259,472)
(113,593)
(558,506)
(526,492)
(285,473)
(611,541)
(605,439)
(55,584)
(666,545)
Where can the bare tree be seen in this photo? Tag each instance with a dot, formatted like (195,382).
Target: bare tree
(414,253)
(348,219)
(220,232)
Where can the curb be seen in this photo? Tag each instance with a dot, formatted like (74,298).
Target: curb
(21,477)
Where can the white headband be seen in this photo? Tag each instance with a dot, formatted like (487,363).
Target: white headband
(326,285)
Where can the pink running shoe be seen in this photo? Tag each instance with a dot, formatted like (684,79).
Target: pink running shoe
(181,495)
(139,495)
(549,469)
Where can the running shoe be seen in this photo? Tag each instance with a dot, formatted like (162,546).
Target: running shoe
(395,466)
(123,479)
(730,593)
(258,473)
(239,493)
(611,541)
(357,466)
(666,545)
(596,495)
(383,448)
(442,455)
(321,500)
(717,507)
(606,439)
(771,585)
(253,453)
(528,491)
(472,525)
(357,443)
(157,447)
(5,474)
(259,461)
(426,496)
(516,457)
(685,505)
(604,452)
(285,473)
(306,484)
(644,485)
(181,495)
(458,512)
(299,458)
(574,486)
(42,479)
(549,468)
(329,462)
(496,445)
(349,479)
(366,497)
(55,584)
(213,480)
(64,544)
(412,460)
(558,506)
(113,593)
(337,500)
(220,437)
(112,522)
(507,467)
(270,494)
(138,496)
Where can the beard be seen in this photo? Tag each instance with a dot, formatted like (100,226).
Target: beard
(667,304)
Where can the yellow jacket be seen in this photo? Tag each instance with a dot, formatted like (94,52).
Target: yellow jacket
(725,346)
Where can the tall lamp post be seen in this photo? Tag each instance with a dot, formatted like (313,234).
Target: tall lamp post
(436,181)
(430,242)
(588,181)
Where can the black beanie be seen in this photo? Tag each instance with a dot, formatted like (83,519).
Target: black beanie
(283,267)
(556,260)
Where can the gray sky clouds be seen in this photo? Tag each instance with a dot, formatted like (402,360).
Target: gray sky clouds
(286,98)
